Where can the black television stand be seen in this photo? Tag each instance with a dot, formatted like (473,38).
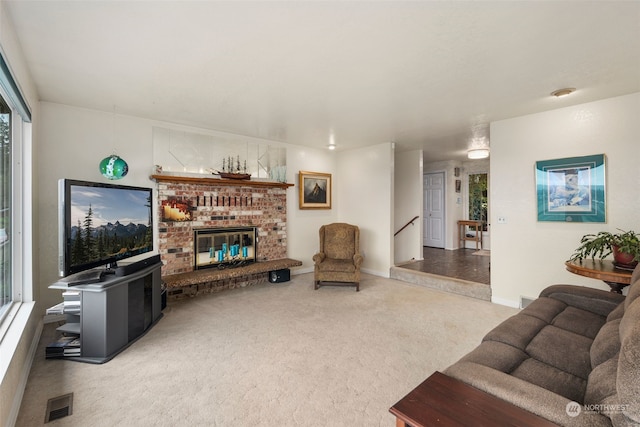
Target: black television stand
(114,312)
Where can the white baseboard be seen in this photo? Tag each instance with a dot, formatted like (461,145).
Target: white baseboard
(401,263)
(376,273)
(364,270)
(507,302)
(54,318)
(24,376)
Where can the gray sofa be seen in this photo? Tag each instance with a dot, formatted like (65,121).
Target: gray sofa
(572,344)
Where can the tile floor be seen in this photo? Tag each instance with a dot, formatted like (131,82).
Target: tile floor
(460,263)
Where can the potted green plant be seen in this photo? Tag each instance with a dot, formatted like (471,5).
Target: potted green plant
(625,247)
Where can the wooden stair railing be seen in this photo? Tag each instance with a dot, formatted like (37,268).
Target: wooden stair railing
(406,225)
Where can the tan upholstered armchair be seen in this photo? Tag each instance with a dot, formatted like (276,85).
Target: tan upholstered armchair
(339,258)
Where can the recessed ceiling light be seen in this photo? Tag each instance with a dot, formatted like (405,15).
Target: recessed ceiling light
(563,92)
(332,141)
(478,153)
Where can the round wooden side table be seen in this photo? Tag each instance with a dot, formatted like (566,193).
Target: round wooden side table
(603,270)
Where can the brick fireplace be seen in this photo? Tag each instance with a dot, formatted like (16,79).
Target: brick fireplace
(199,203)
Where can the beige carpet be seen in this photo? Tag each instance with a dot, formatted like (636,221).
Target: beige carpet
(270,355)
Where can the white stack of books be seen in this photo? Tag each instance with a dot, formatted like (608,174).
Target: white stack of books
(71,303)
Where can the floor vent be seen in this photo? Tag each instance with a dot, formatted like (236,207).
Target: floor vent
(59,407)
(525,301)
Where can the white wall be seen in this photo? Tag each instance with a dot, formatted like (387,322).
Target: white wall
(303,225)
(528,255)
(365,198)
(408,199)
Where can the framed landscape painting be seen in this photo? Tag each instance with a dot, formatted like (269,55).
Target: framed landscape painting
(571,189)
(315,190)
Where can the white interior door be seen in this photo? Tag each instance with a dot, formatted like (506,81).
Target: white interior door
(433,215)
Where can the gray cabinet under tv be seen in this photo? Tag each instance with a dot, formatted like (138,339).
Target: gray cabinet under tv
(114,312)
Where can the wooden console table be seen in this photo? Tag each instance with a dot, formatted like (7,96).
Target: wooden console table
(462,232)
(602,270)
(445,401)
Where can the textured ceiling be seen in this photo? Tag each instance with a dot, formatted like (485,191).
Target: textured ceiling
(424,74)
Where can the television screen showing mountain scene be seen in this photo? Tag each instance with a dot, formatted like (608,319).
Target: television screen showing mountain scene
(109,223)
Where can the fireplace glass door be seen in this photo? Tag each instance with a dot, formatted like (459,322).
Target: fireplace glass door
(225,246)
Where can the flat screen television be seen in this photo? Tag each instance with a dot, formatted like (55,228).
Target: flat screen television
(101,224)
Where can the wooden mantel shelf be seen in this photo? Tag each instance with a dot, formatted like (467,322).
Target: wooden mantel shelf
(219,181)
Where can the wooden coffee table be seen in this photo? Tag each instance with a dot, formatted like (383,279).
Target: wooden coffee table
(445,401)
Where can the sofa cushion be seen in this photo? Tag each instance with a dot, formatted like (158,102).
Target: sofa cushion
(517,331)
(602,382)
(634,290)
(628,374)
(544,309)
(496,355)
(339,241)
(337,265)
(594,300)
(617,313)
(606,344)
(579,321)
(562,349)
(552,379)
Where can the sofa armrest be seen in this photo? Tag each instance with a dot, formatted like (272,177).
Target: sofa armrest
(357,260)
(319,257)
(593,300)
(523,394)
